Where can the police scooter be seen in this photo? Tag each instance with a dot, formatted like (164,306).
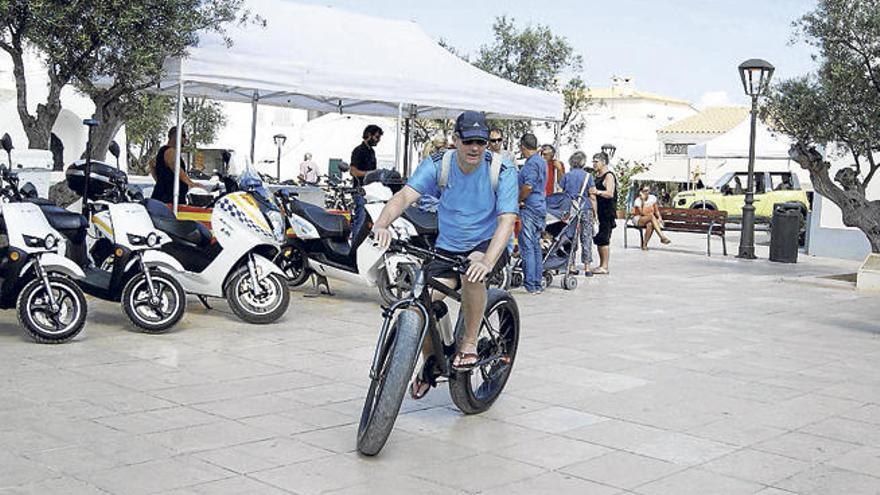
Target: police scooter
(34,274)
(233,262)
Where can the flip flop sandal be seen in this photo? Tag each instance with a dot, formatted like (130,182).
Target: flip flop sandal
(466,356)
(418,388)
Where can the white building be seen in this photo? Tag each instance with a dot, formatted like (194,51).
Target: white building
(629,119)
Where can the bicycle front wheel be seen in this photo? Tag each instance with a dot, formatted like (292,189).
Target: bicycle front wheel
(397,361)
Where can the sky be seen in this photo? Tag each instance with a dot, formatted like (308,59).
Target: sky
(685,49)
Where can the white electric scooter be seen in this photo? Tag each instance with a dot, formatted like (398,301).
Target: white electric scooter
(320,245)
(35,277)
(234,262)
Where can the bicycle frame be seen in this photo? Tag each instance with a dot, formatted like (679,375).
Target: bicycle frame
(419,299)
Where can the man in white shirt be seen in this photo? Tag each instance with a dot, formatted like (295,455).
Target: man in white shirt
(308,171)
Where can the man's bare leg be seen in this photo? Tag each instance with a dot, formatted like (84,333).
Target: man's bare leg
(473,304)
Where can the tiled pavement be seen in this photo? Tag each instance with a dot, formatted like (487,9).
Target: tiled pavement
(677,374)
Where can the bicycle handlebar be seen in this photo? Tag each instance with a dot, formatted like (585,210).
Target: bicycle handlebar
(459,263)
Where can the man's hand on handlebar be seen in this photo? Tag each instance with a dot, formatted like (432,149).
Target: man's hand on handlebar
(382,237)
(477,269)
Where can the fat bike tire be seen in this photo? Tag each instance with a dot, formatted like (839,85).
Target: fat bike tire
(382,404)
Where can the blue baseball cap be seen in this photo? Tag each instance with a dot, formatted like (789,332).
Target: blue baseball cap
(472,125)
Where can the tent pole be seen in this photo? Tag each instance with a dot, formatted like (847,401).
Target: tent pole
(177,145)
(253,126)
(406,150)
(397,138)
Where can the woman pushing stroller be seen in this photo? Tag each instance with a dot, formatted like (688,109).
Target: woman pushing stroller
(577,184)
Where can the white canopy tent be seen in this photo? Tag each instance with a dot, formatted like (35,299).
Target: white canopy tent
(321,58)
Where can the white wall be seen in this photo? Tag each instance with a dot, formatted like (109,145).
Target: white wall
(828,235)
(68,127)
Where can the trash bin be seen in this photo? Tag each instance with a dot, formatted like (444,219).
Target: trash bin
(785,232)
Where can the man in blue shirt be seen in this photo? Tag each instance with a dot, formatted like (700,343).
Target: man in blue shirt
(475,220)
(533,210)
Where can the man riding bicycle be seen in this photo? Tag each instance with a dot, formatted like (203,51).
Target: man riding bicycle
(476,215)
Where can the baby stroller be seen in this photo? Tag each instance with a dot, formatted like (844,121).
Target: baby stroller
(559,242)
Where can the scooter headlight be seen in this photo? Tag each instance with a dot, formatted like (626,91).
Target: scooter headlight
(50,241)
(152,240)
(277,222)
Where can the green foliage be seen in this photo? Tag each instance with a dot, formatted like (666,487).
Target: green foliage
(204,119)
(146,130)
(535,57)
(625,171)
(839,104)
(124,42)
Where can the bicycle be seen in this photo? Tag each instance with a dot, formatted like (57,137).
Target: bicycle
(407,323)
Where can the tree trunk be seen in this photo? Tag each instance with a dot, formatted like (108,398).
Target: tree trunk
(107,112)
(857,211)
(38,129)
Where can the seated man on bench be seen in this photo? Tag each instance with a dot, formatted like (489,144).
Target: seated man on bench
(646,213)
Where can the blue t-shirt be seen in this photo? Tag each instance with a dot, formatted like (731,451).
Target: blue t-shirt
(572,182)
(534,173)
(469,208)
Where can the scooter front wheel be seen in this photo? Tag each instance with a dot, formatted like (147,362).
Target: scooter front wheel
(47,324)
(264,307)
(153,314)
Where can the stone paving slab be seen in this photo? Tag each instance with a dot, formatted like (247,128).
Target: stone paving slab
(678,373)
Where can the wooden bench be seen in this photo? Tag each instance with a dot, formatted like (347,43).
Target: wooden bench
(697,221)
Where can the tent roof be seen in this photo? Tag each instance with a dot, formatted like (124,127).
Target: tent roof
(321,58)
(735,144)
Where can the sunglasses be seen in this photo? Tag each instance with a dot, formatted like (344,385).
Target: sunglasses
(471,142)
(496,140)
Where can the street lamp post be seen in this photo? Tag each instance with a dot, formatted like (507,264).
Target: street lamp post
(609,149)
(279,142)
(755,74)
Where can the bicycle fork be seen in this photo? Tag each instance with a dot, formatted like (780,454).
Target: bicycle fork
(384,341)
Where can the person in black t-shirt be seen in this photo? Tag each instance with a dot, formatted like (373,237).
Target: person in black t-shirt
(363,157)
(363,161)
(163,171)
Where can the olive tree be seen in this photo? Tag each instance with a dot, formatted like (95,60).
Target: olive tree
(837,108)
(123,44)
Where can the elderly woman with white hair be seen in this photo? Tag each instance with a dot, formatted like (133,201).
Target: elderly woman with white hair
(577,183)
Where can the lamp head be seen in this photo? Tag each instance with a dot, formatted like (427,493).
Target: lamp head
(755,74)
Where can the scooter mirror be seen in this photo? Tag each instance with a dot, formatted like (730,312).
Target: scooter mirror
(29,191)
(344,167)
(6,141)
(114,149)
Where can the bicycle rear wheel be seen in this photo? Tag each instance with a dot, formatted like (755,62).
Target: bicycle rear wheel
(398,359)
(476,390)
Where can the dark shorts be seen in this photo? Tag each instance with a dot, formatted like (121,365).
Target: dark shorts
(441,269)
(603,236)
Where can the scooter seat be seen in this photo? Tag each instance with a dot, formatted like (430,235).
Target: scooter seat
(425,222)
(63,220)
(328,225)
(188,231)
